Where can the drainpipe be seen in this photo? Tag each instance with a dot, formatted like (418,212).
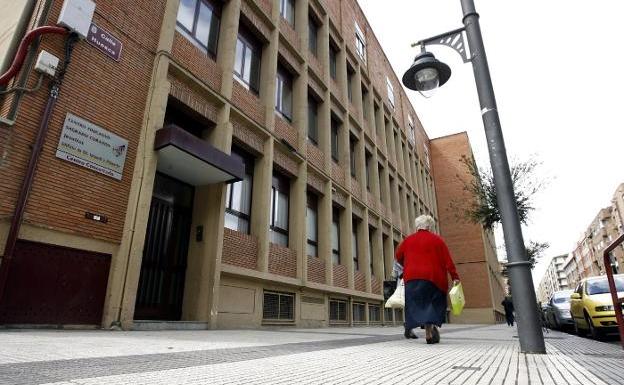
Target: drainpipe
(22,198)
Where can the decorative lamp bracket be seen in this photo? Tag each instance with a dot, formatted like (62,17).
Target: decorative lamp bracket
(454,39)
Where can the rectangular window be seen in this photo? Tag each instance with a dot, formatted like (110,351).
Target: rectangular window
(411,131)
(312,224)
(426,155)
(335,236)
(238,196)
(365,111)
(390,91)
(374,313)
(398,315)
(287,11)
(388,314)
(280,192)
(199,20)
(371,232)
(368,170)
(335,129)
(278,306)
(354,245)
(359,312)
(360,42)
(247,61)
(337,310)
(312,120)
(350,77)
(352,155)
(284,93)
(313,36)
(333,57)
(392,200)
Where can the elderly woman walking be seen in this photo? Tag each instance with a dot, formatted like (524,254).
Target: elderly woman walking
(426,262)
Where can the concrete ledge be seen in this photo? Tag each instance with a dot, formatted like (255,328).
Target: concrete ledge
(169,325)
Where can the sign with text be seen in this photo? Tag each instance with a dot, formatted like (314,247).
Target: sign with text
(104,41)
(91,146)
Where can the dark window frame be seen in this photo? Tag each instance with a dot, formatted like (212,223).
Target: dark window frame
(285,79)
(352,155)
(371,231)
(313,129)
(255,48)
(313,28)
(284,11)
(354,245)
(333,61)
(280,183)
(335,133)
(312,204)
(336,252)
(368,157)
(249,163)
(216,12)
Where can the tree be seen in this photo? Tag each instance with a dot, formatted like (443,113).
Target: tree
(484,210)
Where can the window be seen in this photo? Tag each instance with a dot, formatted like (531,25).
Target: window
(312,120)
(287,11)
(350,77)
(426,154)
(371,232)
(352,161)
(354,245)
(411,133)
(359,312)
(398,315)
(335,128)
(335,236)
(384,242)
(390,91)
(313,36)
(283,93)
(392,200)
(368,170)
(360,42)
(374,313)
(247,61)
(381,193)
(199,20)
(337,310)
(388,314)
(238,196)
(278,306)
(312,224)
(280,191)
(333,53)
(365,111)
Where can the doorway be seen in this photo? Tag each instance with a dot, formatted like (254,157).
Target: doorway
(163,268)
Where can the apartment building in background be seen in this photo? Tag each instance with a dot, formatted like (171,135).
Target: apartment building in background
(212,164)
(472,248)
(586,260)
(554,279)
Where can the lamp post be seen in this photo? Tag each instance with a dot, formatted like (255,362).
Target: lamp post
(426,74)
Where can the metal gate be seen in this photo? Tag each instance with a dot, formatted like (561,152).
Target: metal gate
(163,268)
(54,285)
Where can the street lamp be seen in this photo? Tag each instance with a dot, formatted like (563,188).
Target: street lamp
(424,76)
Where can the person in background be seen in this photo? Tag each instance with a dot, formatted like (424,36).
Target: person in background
(426,262)
(509,310)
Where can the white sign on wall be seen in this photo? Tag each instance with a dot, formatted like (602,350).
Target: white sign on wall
(91,146)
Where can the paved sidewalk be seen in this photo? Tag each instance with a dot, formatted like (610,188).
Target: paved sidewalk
(364,355)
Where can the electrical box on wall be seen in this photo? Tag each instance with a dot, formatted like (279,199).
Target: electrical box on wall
(46,63)
(77,15)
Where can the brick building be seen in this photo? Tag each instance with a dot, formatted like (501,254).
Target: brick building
(472,247)
(272,164)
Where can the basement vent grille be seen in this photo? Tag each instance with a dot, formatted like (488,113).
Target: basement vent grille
(338,310)
(278,306)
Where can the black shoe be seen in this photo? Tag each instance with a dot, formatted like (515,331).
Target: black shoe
(429,341)
(435,335)
(409,335)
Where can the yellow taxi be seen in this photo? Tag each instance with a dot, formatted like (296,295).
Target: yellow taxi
(592,308)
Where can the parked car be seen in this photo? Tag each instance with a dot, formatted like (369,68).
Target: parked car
(557,312)
(592,308)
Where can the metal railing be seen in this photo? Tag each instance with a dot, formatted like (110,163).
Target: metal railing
(617,302)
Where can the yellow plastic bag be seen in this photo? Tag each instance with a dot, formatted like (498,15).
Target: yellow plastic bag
(457,299)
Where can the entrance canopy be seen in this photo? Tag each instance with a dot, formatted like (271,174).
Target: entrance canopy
(190,159)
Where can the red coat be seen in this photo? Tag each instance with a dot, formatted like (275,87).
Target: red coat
(424,255)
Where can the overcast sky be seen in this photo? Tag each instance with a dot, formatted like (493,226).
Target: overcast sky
(558,73)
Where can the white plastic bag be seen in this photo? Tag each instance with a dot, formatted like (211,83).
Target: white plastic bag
(397,300)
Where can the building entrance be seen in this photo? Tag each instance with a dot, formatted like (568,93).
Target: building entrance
(163,268)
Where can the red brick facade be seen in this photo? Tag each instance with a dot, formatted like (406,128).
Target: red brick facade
(239,249)
(316,270)
(282,261)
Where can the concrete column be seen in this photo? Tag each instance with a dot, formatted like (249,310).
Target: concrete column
(374,174)
(122,290)
(360,165)
(346,227)
(324,116)
(378,252)
(399,152)
(261,207)
(384,183)
(404,210)
(324,229)
(363,250)
(357,95)
(388,254)
(341,73)
(297,235)
(268,71)
(390,150)
(380,126)
(227,44)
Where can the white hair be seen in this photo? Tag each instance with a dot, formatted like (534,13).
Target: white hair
(424,222)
